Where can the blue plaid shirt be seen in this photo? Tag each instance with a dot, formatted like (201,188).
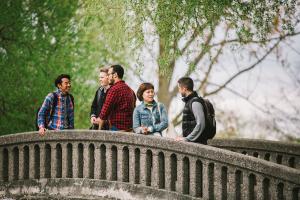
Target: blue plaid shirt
(57,120)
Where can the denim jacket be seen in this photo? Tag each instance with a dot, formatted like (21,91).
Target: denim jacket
(156,121)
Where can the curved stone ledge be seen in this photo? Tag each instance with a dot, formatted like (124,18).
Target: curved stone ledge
(76,188)
(179,170)
(287,154)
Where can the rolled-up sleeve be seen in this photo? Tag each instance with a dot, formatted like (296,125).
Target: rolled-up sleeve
(108,104)
(44,110)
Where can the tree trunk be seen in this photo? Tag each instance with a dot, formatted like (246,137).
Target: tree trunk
(164,95)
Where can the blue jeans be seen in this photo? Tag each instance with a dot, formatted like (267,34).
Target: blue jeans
(113,128)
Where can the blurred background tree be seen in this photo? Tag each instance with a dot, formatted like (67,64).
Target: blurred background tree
(157,41)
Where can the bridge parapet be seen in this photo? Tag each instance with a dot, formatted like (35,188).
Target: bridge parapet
(283,153)
(160,167)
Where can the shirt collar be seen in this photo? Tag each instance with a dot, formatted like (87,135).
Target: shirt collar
(58,91)
(145,105)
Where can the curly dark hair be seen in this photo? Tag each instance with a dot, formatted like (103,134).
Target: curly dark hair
(58,80)
(142,88)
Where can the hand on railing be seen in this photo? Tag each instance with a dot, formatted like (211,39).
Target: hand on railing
(42,131)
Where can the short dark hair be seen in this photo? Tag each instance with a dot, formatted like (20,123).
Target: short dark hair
(118,69)
(58,80)
(187,83)
(143,87)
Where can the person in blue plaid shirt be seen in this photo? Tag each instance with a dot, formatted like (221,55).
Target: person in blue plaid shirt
(57,111)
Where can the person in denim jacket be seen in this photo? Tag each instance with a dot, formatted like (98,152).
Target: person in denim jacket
(150,117)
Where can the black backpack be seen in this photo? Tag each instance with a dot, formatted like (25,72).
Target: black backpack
(210,121)
(54,103)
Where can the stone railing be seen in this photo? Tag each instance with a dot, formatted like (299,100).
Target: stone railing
(79,162)
(287,154)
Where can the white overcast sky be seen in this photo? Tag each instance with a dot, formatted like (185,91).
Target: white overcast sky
(265,84)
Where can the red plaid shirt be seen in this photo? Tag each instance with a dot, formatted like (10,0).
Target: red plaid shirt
(119,105)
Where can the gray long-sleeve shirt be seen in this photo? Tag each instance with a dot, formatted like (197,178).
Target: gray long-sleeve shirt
(197,110)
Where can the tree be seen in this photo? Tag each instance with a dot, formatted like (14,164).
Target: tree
(201,34)
(39,40)
(36,38)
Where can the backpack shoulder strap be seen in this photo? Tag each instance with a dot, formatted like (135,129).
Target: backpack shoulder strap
(54,103)
(194,99)
(72,99)
(202,102)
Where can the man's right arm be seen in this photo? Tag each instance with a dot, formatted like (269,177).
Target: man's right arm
(44,110)
(94,105)
(108,104)
(93,113)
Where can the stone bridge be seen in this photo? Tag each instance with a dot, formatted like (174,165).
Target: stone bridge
(85,164)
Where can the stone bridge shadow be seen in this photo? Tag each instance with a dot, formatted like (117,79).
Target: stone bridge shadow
(81,164)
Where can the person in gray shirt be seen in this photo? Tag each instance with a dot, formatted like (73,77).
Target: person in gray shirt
(193,119)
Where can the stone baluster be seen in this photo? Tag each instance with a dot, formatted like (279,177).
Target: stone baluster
(53,160)
(75,159)
(64,160)
(193,176)
(103,161)
(42,159)
(232,183)
(288,191)
(120,164)
(218,181)
(109,160)
(180,183)
(245,186)
(10,164)
(143,166)
(273,191)
(86,159)
(260,187)
(21,163)
(155,169)
(31,161)
(205,191)
(132,172)
(168,171)
(97,162)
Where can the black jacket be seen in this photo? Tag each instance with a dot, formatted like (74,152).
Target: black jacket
(188,118)
(98,102)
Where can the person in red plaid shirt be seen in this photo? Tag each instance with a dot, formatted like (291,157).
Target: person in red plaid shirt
(119,103)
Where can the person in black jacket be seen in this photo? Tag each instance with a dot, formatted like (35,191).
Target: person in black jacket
(193,119)
(99,99)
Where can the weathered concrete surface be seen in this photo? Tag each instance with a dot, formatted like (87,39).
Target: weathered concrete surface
(135,166)
(277,152)
(82,189)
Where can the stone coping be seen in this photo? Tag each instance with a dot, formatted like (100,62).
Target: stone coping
(212,154)
(255,144)
(81,188)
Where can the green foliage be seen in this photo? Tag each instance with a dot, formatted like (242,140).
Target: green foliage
(42,39)
(248,20)
(35,41)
